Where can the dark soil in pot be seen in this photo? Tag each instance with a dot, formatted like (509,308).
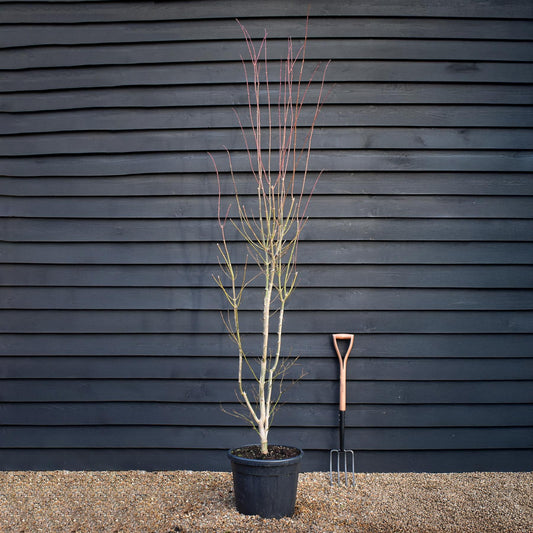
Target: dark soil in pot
(274,452)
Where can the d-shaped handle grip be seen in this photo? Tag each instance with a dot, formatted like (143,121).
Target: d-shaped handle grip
(343,362)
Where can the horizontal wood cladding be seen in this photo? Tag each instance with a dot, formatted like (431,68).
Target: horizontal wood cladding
(200,207)
(390,160)
(320,49)
(69,12)
(505,460)
(218,367)
(376,183)
(350,276)
(329,253)
(232,72)
(318,320)
(20,34)
(377,138)
(194,437)
(308,415)
(312,344)
(343,229)
(126,119)
(320,392)
(113,354)
(166,459)
(331,299)
(384,93)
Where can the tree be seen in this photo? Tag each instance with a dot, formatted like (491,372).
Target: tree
(271,226)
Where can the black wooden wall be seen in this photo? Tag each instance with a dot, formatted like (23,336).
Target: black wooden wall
(113,354)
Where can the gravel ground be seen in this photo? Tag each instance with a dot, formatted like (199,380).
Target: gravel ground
(195,502)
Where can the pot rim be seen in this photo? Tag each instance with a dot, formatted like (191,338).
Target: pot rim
(265,462)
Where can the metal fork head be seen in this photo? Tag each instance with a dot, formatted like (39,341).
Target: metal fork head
(345,458)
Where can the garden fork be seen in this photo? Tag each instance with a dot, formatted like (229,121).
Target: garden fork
(343,456)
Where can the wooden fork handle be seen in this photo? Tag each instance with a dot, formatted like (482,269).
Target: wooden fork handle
(342,362)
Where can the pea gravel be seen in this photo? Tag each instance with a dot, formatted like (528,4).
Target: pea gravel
(194,502)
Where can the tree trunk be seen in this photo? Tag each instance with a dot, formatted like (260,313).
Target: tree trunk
(264,446)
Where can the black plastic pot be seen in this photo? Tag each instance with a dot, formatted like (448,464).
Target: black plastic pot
(265,488)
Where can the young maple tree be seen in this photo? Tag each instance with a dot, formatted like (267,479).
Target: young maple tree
(271,225)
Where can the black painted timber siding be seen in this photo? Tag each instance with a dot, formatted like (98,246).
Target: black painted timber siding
(113,352)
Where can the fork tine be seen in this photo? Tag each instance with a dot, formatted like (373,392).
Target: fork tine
(331,467)
(349,465)
(345,468)
(353,465)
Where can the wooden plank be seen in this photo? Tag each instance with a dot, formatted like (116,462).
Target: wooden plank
(437,276)
(467,116)
(311,344)
(345,229)
(314,460)
(213,139)
(164,30)
(346,183)
(320,392)
(502,184)
(439,461)
(305,299)
(215,367)
(198,207)
(231,94)
(168,414)
(91,12)
(189,437)
(318,320)
(425,253)
(337,160)
(232,72)
(317,49)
